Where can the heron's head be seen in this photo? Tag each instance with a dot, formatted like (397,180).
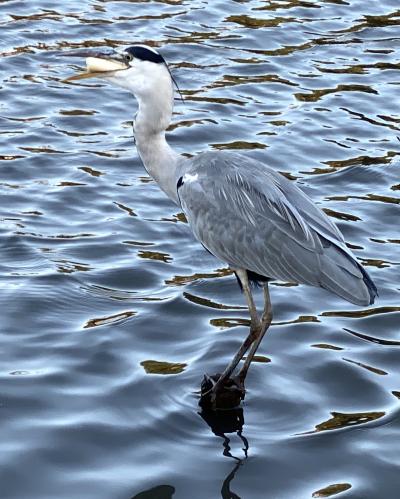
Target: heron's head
(140,69)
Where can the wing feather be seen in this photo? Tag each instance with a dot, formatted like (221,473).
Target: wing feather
(254,218)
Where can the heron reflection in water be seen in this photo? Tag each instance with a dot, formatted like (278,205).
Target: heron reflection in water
(223,423)
(242,211)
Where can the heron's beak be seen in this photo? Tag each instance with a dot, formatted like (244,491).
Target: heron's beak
(98,64)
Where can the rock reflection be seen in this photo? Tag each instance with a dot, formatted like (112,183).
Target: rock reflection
(199,300)
(261,359)
(380,264)
(317,94)
(239,144)
(125,208)
(253,22)
(341,216)
(91,171)
(299,319)
(368,197)
(181,280)
(112,319)
(67,267)
(221,423)
(343,420)
(373,339)
(326,346)
(332,490)
(361,313)
(226,323)
(77,112)
(216,100)
(155,255)
(364,160)
(157,367)
(373,21)
(375,370)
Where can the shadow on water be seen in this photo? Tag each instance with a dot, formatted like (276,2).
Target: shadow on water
(159,492)
(221,423)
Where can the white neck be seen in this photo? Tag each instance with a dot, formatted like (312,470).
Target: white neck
(151,84)
(159,159)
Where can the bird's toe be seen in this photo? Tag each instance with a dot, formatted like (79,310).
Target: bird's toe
(221,397)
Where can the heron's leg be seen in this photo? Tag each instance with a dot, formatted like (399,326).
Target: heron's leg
(266,320)
(244,280)
(253,335)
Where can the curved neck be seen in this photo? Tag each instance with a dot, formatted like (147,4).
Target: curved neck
(159,159)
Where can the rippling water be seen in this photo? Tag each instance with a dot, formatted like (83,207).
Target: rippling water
(111,312)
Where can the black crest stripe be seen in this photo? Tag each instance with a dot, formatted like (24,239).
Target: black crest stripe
(145,54)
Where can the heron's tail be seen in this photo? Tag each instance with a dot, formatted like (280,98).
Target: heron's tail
(373,292)
(343,275)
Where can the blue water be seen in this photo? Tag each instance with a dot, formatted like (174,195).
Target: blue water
(99,274)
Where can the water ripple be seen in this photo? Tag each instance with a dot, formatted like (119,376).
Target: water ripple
(112,313)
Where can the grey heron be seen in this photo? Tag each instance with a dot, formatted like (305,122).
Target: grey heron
(242,211)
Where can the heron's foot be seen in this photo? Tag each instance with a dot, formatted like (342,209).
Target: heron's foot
(221,396)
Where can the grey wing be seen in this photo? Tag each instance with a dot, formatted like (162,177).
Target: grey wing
(254,218)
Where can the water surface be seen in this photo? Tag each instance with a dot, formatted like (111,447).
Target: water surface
(102,283)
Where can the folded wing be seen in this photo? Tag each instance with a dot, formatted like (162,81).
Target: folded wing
(253,218)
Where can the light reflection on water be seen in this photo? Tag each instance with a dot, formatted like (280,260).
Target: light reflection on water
(111,312)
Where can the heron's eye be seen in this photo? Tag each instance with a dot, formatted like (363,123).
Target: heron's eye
(128,57)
